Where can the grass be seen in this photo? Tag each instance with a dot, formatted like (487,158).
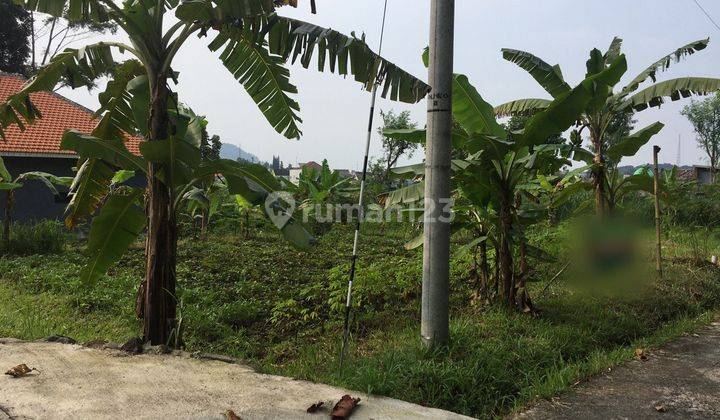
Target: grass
(40,315)
(35,238)
(280,310)
(499,360)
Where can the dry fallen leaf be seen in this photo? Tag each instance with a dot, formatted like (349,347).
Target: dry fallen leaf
(230,415)
(315,407)
(20,370)
(641,354)
(344,408)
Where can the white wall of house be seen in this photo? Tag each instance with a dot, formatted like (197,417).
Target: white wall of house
(295,175)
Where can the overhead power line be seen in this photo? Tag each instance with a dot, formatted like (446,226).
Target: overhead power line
(707,14)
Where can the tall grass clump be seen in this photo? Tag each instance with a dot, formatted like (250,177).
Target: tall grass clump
(45,237)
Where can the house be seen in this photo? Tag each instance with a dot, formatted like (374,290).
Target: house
(702,174)
(294,172)
(347,173)
(697,173)
(38,149)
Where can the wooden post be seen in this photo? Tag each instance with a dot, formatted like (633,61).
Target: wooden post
(656,189)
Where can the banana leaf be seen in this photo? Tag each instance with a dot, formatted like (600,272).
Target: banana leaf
(118,225)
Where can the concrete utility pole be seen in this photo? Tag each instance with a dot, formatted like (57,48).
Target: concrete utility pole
(656,189)
(434,323)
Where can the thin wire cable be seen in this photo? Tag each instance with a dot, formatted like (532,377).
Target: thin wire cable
(348,300)
(707,14)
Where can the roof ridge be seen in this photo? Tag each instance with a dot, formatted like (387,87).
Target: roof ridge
(71,102)
(6,73)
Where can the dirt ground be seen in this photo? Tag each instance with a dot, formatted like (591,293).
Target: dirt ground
(78,382)
(680,380)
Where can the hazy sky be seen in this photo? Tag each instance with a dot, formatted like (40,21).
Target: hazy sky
(334,110)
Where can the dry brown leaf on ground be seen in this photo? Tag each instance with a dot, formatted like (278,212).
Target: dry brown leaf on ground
(230,415)
(344,408)
(315,407)
(641,354)
(20,370)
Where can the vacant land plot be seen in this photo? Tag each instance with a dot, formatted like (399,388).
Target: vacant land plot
(280,311)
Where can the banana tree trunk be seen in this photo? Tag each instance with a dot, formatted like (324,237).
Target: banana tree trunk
(599,178)
(523,301)
(523,257)
(496,263)
(484,272)
(610,207)
(522,298)
(160,304)
(203,224)
(505,257)
(479,270)
(7,220)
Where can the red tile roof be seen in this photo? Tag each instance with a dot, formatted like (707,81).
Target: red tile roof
(312,164)
(59,114)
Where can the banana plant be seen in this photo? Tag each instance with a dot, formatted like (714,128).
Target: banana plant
(9,185)
(254,43)
(109,239)
(552,192)
(480,222)
(619,186)
(616,186)
(319,190)
(204,201)
(608,104)
(675,192)
(498,161)
(244,208)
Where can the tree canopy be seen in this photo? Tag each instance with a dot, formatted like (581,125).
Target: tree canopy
(394,148)
(15,28)
(608,115)
(705,117)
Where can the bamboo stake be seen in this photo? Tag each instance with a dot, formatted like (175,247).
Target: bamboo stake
(356,240)
(656,189)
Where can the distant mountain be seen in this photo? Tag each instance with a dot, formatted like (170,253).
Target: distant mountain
(231,151)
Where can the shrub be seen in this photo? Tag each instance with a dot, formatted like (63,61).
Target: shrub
(45,237)
(686,205)
(697,208)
